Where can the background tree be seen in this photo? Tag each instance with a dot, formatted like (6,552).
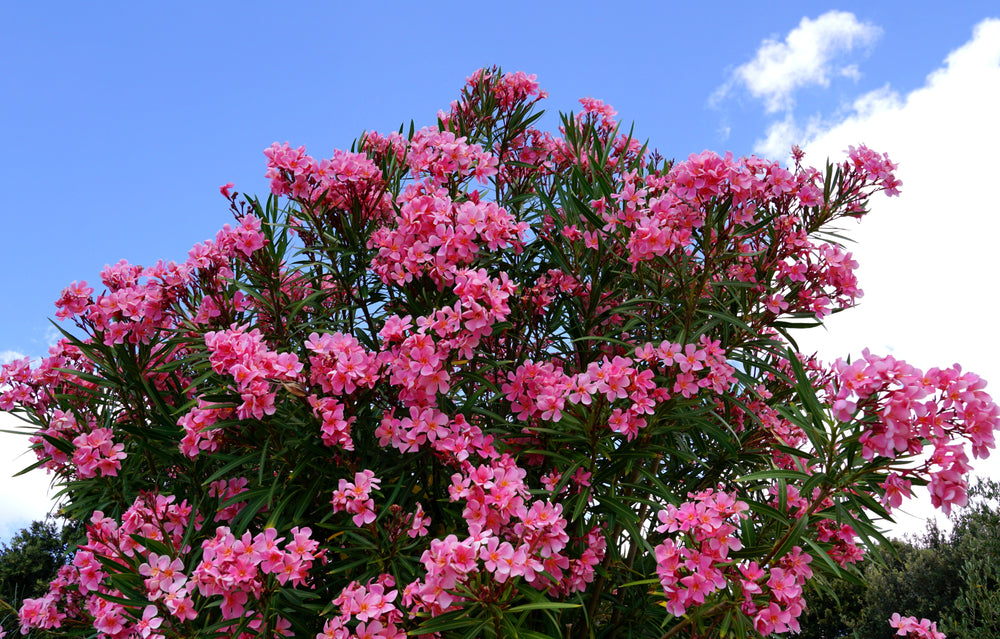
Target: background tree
(948,576)
(975,613)
(833,609)
(921,580)
(28,562)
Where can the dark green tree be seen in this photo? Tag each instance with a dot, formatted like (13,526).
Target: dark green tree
(834,609)
(951,578)
(976,540)
(921,580)
(919,577)
(28,563)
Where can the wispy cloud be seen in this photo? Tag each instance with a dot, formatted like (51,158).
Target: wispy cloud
(808,56)
(9,356)
(782,134)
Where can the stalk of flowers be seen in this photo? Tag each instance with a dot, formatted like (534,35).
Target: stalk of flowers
(433,235)
(541,391)
(661,222)
(486,90)
(511,538)
(910,627)
(83,588)
(371,606)
(138,302)
(33,388)
(336,182)
(691,568)
(695,566)
(230,568)
(490,569)
(422,363)
(242,354)
(339,364)
(62,426)
(335,429)
(904,407)
(443,157)
(44,612)
(225,490)
(585,136)
(783,589)
(197,425)
(355,497)
(97,454)
(841,537)
(236,569)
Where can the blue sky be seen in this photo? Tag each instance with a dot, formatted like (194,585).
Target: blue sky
(122,122)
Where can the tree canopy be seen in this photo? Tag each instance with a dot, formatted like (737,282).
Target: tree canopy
(938,575)
(29,561)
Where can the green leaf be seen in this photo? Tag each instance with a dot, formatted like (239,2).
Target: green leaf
(455,620)
(543,605)
(774,473)
(229,467)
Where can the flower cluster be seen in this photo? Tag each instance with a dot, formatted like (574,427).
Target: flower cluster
(433,235)
(692,569)
(84,588)
(355,497)
(371,606)
(242,354)
(420,364)
(905,407)
(236,569)
(910,627)
(337,182)
(97,454)
(198,432)
(543,390)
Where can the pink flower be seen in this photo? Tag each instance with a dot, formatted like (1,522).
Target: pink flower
(910,627)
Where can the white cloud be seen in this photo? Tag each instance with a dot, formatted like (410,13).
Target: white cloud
(807,57)
(22,499)
(782,134)
(850,71)
(928,259)
(52,335)
(874,102)
(9,356)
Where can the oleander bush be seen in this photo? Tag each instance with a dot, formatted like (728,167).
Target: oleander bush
(483,380)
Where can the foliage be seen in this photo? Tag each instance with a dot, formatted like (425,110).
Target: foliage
(480,380)
(922,581)
(29,562)
(833,609)
(976,538)
(938,576)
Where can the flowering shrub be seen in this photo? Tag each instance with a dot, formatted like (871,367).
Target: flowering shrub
(484,380)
